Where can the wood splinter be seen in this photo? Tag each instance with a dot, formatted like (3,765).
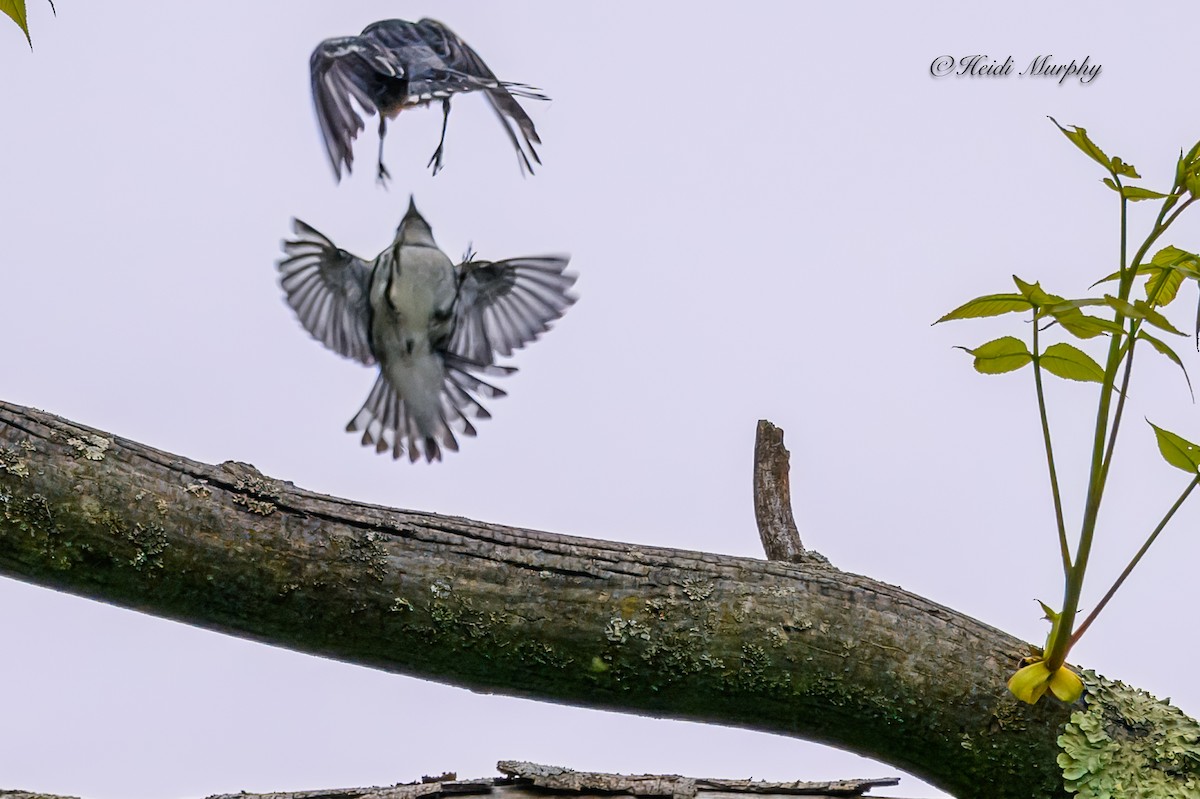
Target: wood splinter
(773,496)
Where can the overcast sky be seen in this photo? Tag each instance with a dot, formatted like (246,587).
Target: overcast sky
(767,205)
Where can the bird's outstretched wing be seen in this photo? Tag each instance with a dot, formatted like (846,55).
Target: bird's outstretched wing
(502,306)
(329,289)
(352,67)
(458,57)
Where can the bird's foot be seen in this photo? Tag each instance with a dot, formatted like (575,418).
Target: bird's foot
(384,176)
(435,160)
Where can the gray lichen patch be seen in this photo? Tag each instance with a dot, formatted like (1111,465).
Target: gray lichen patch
(11,462)
(1125,742)
(755,671)
(261,507)
(89,447)
(260,487)
(199,489)
(619,630)
(259,492)
(33,517)
(365,553)
(150,542)
(697,590)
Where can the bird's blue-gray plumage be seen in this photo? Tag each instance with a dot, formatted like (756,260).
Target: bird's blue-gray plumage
(431,326)
(395,64)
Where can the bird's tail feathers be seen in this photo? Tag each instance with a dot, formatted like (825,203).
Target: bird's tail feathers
(512,115)
(387,423)
(524,90)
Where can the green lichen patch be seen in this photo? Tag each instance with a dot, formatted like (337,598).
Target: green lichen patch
(1126,743)
(89,447)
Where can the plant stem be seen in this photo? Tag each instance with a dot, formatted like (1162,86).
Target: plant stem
(1134,562)
(1160,226)
(1063,637)
(1060,640)
(1064,547)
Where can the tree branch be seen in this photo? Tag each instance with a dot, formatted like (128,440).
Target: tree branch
(532,781)
(773,496)
(797,649)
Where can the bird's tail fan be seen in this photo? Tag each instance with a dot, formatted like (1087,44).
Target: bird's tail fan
(387,423)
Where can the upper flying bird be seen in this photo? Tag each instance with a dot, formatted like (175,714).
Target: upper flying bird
(394,65)
(428,324)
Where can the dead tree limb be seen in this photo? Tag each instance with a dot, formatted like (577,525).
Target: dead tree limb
(798,649)
(773,496)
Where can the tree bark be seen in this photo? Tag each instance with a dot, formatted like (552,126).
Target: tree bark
(798,649)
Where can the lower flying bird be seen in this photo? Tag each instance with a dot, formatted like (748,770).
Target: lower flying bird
(393,65)
(428,324)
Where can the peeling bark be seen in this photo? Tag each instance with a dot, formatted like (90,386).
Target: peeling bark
(799,649)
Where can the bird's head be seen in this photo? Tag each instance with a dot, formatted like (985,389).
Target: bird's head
(413,230)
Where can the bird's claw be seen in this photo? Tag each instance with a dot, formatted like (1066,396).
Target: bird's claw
(435,160)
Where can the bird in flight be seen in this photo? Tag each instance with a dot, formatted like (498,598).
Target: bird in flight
(395,64)
(430,325)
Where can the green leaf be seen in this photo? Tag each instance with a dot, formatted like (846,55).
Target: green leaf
(1029,683)
(1079,138)
(1122,168)
(16,10)
(1163,284)
(1035,294)
(1155,318)
(1079,324)
(988,305)
(1177,450)
(1162,347)
(1066,685)
(1123,306)
(1006,354)
(1192,184)
(1134,193)
(1171,256)
(1137,193)
(1072,363)
(1052,615)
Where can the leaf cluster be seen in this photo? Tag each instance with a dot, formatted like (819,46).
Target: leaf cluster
(1121,320)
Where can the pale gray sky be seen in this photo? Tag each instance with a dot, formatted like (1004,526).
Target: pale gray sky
(767,204)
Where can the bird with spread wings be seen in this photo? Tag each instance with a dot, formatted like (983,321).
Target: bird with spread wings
(395,64)
(430,325)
